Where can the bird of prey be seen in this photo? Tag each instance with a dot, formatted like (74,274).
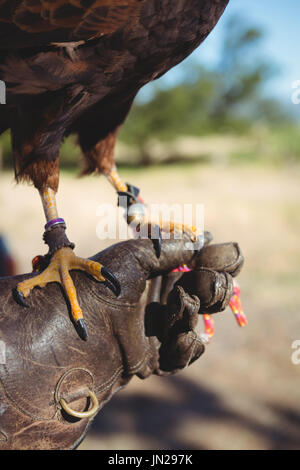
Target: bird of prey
(75,67)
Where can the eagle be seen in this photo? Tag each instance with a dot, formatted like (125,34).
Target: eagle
(75,67)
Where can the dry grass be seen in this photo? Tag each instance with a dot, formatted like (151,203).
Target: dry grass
(244,392)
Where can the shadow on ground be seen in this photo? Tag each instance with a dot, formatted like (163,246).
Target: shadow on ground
(157,419)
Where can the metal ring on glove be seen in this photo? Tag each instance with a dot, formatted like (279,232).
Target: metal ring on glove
(82,414)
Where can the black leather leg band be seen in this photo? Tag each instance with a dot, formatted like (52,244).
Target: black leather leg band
(56,238)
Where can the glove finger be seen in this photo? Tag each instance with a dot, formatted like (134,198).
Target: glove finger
(181,351)
(169,279)
(214,289)
(222,257)
(183,307)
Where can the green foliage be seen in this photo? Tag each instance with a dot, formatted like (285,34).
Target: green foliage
(5,150)
(285,143)
(173,111)
(226,99)
(70,153)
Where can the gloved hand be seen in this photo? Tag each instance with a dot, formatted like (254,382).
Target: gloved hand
(176,299)
(148,329)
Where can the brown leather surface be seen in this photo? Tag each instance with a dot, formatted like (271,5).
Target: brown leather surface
(148,329)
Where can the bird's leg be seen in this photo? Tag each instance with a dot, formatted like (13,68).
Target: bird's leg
(61,261)
(128,197)
(136,214)
(115,179)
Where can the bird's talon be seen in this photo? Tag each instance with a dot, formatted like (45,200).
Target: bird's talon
(82,329)
(112,279)
(19,297)
(62,262)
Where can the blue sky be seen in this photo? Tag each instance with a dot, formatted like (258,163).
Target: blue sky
(280,21)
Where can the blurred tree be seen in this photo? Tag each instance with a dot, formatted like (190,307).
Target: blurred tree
(226,98)
(242,74)
(172,112)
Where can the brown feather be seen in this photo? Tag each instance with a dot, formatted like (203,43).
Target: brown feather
(82,19)
(87,88)
(100,157)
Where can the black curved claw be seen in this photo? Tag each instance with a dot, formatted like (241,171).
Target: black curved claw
(157,242)
(82,329)
(112,279)
(19,297)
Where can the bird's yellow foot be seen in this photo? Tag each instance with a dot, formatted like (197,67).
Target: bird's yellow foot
(156,230)
(145,227)
(63,261)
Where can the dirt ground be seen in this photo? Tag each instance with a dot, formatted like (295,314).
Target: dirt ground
(244,393)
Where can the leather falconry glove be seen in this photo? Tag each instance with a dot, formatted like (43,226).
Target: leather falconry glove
(52,383)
